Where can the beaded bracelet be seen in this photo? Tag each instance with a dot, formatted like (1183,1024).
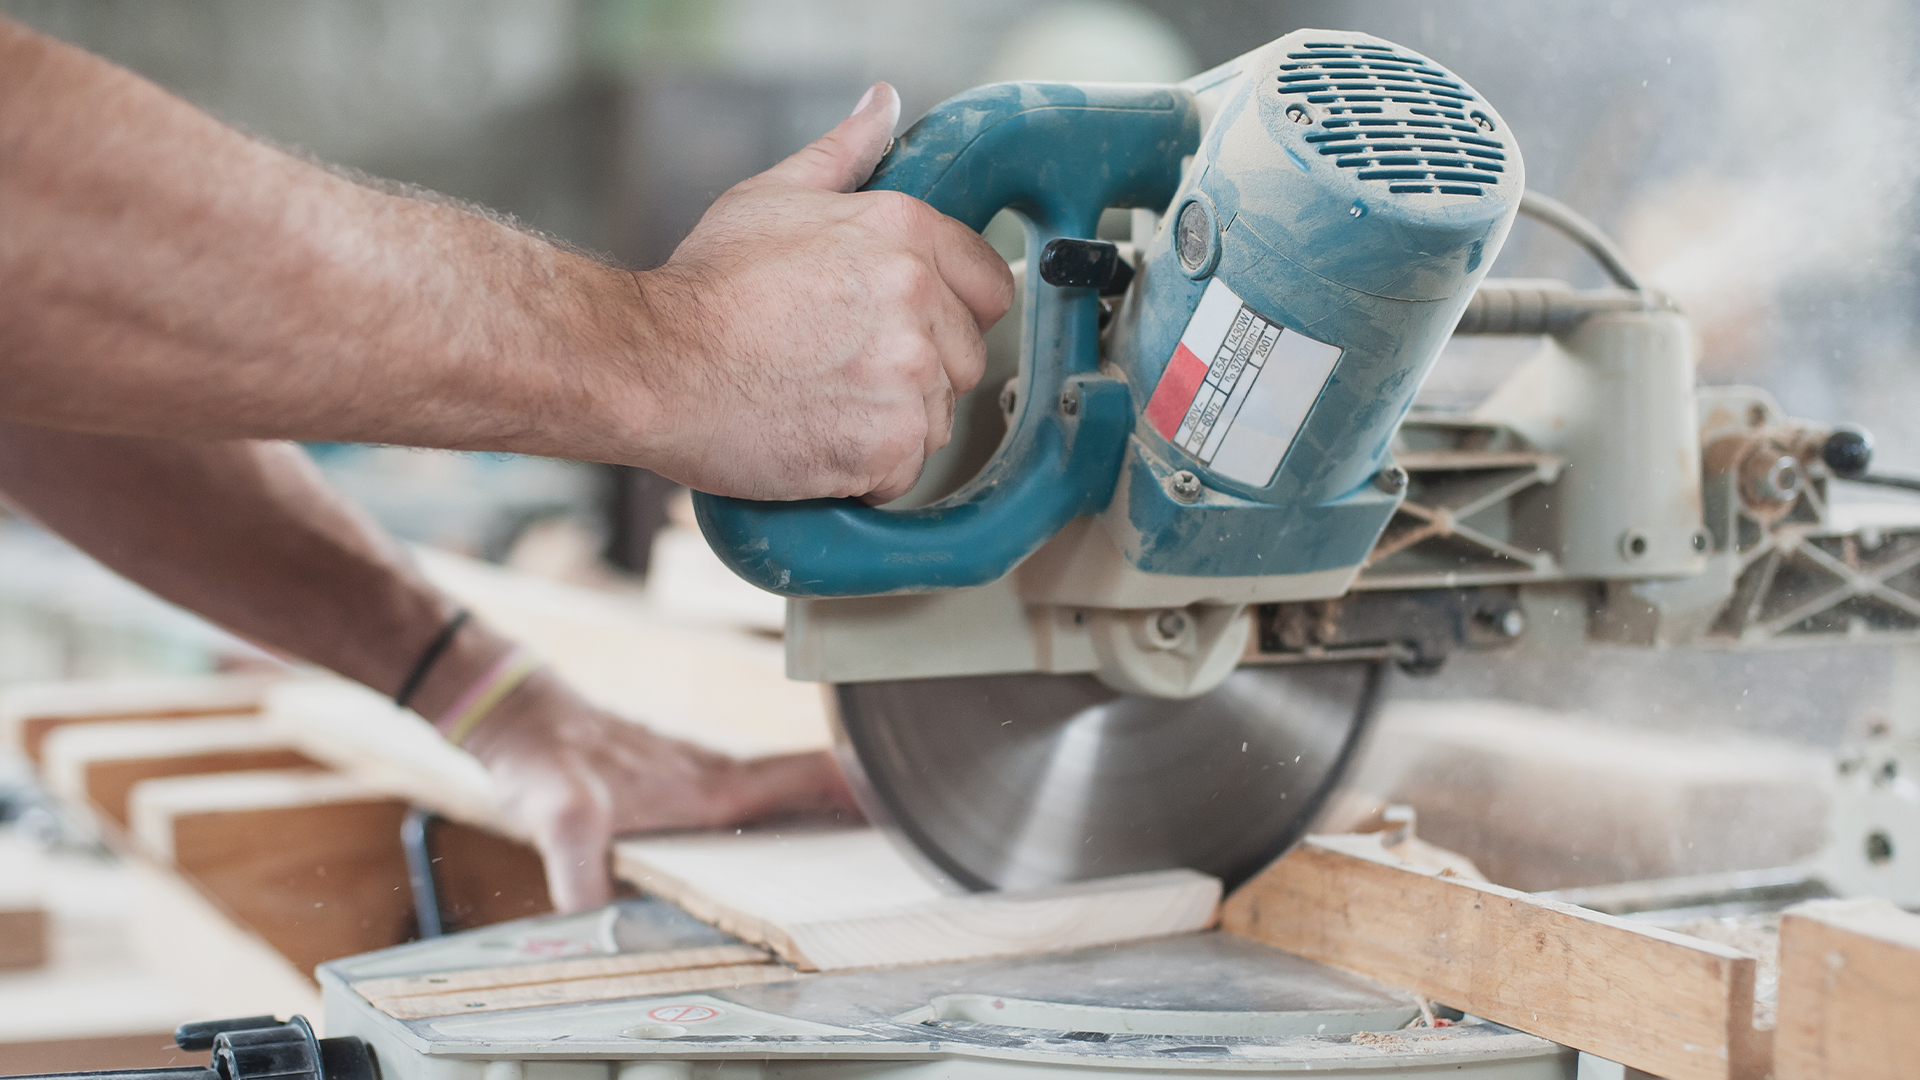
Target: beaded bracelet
(494,684)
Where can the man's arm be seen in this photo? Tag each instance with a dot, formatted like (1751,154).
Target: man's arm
(247,534)
(161,274)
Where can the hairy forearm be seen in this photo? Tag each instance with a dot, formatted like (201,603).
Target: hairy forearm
(162,274)
(247,534)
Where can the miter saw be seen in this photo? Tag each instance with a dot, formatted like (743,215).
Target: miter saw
(1135,615)
(1041,654)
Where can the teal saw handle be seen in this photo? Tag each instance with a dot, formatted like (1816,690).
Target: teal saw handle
(1058,154)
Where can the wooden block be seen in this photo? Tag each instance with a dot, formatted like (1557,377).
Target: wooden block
(30,711)
(23,915)
(23,938)
(98,763)
(310,861)
(844,898)
(105,999)
(1849,992)
(592,978)
(215,964)
(1674,1006)
(484,878)
(148,1050)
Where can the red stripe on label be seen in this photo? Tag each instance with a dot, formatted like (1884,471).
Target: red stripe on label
(1171,398)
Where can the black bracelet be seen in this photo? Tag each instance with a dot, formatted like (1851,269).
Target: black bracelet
(427,657)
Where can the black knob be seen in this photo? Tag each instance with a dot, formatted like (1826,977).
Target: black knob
(254,1048)
(199,1034)
(1085,264)
(1848,452)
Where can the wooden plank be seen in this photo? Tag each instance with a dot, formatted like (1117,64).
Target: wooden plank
(310,861)
(484,878)
(576,991)
(97,764)
(29,712)
(23,938)
(832,899)
(23,914)
(584,967)
(1671,1005)
(148,1050)
(133,952)
(1849,992)
(215,965)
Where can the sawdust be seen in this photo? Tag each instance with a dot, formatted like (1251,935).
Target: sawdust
(1758,936)
(1384,1040)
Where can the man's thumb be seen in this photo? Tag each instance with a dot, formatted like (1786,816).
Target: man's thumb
(842,159)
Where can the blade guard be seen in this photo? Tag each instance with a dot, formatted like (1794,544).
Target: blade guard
(1057,154)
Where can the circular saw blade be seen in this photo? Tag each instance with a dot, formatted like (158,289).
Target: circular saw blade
(1019,781)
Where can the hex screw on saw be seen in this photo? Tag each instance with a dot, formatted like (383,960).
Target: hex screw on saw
(254,1048)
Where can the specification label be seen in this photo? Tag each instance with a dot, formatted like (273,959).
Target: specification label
(1238,387)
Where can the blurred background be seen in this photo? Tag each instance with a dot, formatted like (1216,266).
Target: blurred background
(1780,215)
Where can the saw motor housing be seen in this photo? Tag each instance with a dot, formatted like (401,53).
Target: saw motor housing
(1321,212)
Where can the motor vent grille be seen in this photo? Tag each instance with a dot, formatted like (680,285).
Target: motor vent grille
(1393,117)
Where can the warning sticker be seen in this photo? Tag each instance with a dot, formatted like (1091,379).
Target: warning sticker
(1238,387)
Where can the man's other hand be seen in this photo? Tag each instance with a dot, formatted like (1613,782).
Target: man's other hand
(569,777)
(818,334)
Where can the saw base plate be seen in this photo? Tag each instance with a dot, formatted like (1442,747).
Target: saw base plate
(1189,1005)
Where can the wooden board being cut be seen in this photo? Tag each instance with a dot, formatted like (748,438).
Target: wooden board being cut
(1651,999)
(567,982)
(1849,992)
(832,899)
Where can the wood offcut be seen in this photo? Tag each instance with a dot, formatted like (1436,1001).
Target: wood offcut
(1671,1005)
(1849,992)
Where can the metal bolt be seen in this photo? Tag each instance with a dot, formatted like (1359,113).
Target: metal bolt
(1069,402)
(1483,121)
(1191,237)
(1392,479)
(1700,542)
(1170,624)
(1299,115)
(1633,544)
(1185,486)
(1781,480)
